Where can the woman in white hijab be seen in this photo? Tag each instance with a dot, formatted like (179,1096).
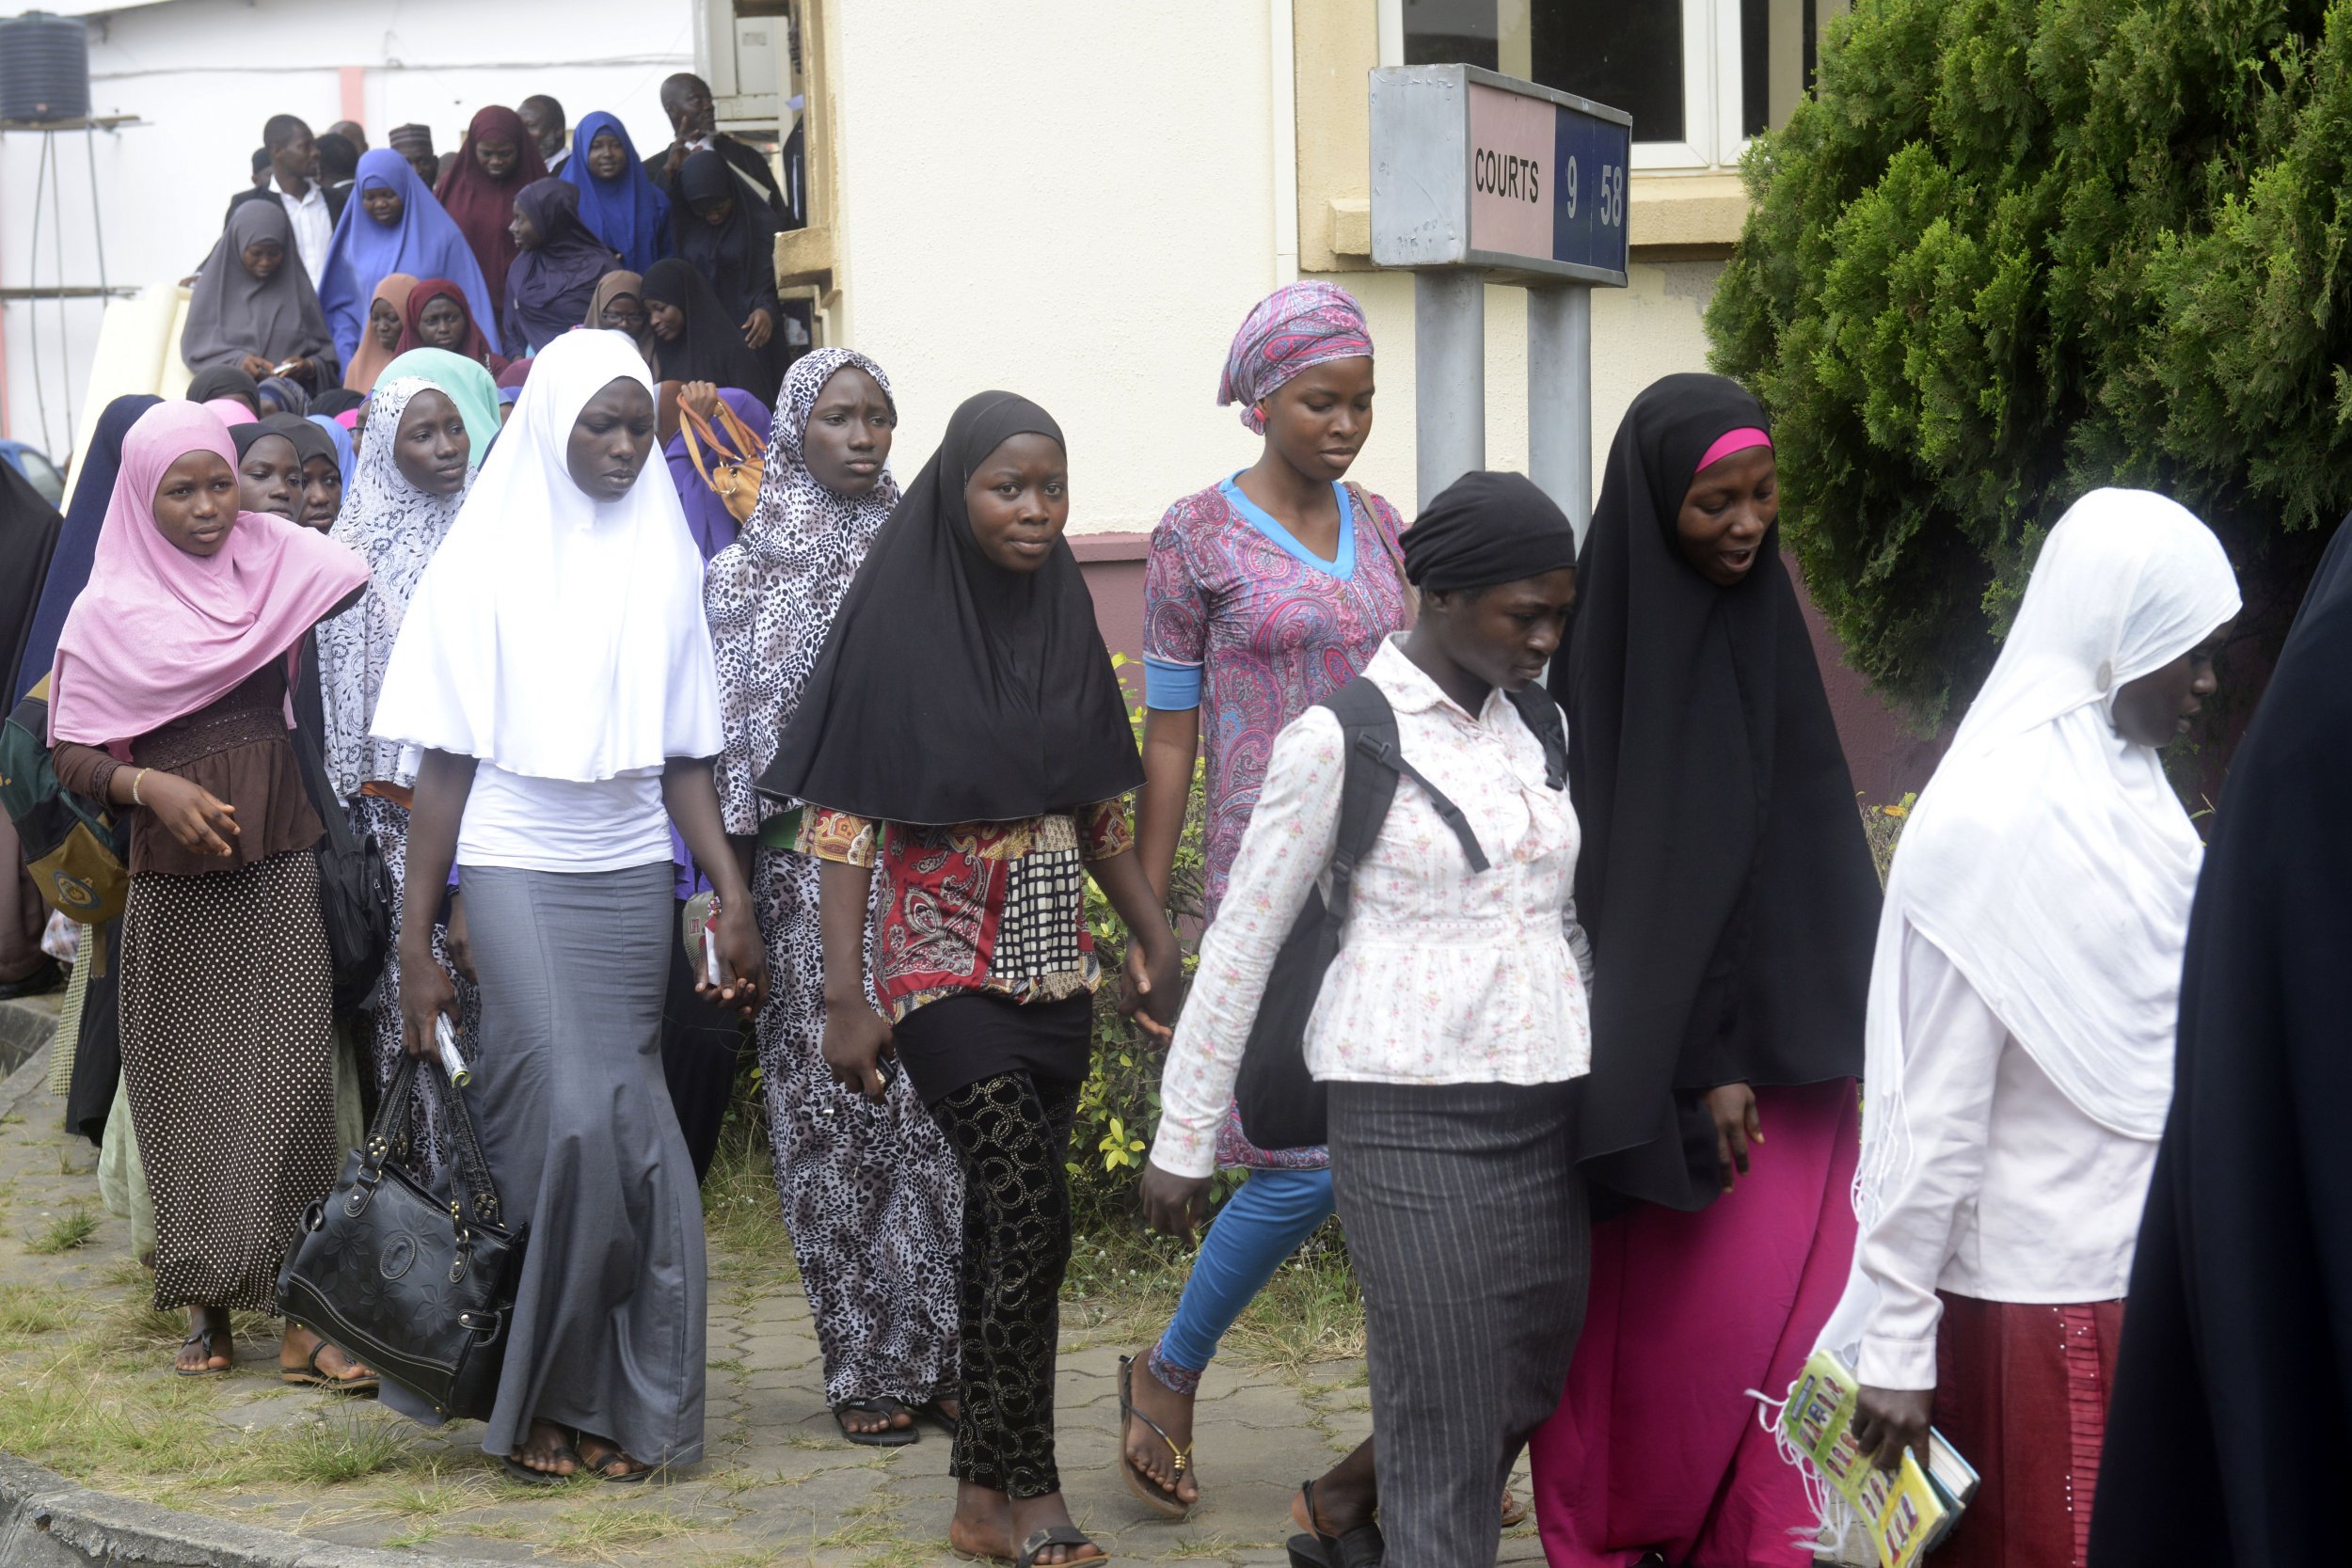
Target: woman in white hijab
(555,669)
(2022,1003)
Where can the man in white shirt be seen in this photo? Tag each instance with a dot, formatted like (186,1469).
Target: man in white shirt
(310,206)
(543,116)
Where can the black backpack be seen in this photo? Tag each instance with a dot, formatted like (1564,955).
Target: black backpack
(1281,1107)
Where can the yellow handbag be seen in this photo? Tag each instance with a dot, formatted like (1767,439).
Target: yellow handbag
(734,480)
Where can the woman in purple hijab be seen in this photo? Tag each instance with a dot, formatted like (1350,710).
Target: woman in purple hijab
(715,526)
(555,271)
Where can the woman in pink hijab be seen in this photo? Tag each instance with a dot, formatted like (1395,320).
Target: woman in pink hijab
(168,700)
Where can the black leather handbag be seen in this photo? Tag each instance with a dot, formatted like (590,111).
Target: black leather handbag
(419,1287)
(355,887)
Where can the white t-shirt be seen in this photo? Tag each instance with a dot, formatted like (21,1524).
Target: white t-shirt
(534,824)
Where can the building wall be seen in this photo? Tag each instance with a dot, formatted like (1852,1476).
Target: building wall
(204,75)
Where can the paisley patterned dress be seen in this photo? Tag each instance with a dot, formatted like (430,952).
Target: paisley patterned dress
(1246,624)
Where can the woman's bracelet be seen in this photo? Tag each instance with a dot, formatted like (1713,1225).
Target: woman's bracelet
(138,780)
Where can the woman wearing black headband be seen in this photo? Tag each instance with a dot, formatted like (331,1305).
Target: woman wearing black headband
(1447,1031)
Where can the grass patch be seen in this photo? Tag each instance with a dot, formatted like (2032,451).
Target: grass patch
(748,1247)
(73,1228)
(604,1532)
(1123,1285)
(871,1521)
(335,1452)
(28,1311)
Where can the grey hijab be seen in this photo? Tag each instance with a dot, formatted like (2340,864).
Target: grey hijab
(231,313)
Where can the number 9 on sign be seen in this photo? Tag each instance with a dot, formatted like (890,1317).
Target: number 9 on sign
(1567,187)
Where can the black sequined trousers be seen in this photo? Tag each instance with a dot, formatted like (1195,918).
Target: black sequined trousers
(1011,1135)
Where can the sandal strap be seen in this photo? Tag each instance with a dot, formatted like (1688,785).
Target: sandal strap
(1179,1455)
(1052,1536)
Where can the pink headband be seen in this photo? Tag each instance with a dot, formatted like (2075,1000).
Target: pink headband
(1731,441)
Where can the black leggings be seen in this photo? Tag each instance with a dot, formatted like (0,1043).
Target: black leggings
(1011,1135)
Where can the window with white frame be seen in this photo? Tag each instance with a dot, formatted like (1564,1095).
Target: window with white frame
(1699,76)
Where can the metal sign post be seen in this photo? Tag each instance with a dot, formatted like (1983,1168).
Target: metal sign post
(1478,178)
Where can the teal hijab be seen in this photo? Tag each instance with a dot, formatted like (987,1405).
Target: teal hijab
(469,386)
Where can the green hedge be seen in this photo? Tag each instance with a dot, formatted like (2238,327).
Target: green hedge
(2010,251)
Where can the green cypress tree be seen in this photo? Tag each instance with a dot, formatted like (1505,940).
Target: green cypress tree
(2010,251)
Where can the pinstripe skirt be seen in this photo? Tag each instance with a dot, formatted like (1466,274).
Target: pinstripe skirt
(1467,1223)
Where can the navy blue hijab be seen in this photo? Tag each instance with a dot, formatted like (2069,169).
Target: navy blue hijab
(77,543)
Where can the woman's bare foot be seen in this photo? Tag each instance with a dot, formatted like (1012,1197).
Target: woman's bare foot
(1147,1450)
(1032,1514)
(602,1457)
(983,1522)
(302,1353)
(209,1348)
(547,1452)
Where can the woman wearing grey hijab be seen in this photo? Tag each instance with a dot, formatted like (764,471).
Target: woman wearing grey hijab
(253,308)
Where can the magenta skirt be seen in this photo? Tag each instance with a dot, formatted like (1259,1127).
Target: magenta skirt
(1656,1446)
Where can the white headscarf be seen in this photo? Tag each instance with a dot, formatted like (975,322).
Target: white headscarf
(552,634)
(2049,860)
(397,527)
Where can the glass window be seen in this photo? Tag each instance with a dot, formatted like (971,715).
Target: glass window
(1627,54)
(1452,32)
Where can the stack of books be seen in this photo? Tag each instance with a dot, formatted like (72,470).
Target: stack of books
(1906,1513)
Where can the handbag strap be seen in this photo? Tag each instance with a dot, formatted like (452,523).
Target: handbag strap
(389,1135)
(743,438)
(476,1192)
(690,423)
(1391,547)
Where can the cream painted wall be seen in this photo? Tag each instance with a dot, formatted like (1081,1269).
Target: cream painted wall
(1086,224)
(1066,199)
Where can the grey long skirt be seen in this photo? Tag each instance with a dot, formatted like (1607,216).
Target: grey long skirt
(568,1096)
(1467,1223)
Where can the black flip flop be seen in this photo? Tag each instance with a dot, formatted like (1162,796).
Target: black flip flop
(888,1437)
(519,1471)
(1362,1547)
(204,1337)
(1055,1535)
(602,1467)
(1158,1499)
(314,1376)
(929,1411)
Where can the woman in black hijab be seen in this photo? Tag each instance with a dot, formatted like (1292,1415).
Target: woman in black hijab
(732,243)
(983,765)
(694,338)
(2231,1426)
(1733,909)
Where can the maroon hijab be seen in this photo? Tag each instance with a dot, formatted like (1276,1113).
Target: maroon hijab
(482,206)
(475,346)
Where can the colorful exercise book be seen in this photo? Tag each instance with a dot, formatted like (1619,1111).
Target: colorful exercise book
(1909,1512)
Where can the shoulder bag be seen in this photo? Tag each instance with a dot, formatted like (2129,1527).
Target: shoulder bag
(420,1289)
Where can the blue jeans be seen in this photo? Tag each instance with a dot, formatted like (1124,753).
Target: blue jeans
(1258,1227)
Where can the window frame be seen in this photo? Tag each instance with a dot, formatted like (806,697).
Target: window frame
(1711,87)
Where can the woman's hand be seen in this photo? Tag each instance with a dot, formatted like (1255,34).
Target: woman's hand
(1174,1205)
(1888,1421)
(700,398)
(192,814)
(856,1040)
(743,962)
(460,938)
(1149,981)
(758,327)
(1736,1126)
(257,366)
(426,993)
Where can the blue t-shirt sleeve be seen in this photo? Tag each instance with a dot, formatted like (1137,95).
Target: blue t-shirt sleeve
(1171,686)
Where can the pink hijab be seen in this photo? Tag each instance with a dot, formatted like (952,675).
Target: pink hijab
(159,633)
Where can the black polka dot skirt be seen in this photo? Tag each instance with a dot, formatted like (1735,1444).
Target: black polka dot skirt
(227,1057)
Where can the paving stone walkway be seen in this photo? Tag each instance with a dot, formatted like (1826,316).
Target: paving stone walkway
(78,1349)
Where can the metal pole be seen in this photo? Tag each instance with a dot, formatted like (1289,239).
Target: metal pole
(1560,397)
(1449,377)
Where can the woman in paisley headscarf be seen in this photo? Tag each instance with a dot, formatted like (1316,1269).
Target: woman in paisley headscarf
(869,1189)
(411,478)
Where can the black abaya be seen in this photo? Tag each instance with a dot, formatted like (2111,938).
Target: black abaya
(1724,879)
(2231,1428)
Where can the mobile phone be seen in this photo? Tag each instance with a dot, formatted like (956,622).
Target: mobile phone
(452,1063)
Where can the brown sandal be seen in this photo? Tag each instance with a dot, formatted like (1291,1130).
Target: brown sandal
(1162,1501)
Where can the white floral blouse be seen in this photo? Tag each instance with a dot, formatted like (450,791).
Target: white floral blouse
(1446,976)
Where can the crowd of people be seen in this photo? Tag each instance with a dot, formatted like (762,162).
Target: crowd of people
(657,770)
